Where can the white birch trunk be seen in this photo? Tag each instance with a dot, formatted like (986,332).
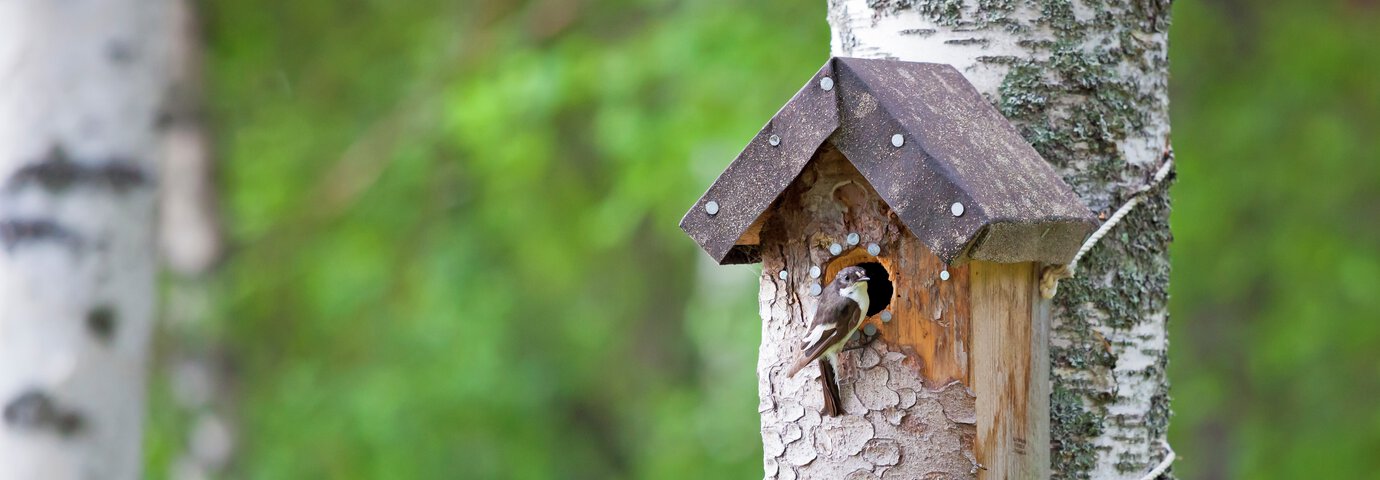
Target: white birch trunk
(1087,82)
(81,86)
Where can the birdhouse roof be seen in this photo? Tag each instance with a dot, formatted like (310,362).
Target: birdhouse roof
(954,148)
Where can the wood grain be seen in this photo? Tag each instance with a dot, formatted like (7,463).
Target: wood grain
(1010,360)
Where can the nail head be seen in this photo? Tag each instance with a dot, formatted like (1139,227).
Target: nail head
(774,140)
(783,274)
(835,249)
(826,83)
(815,289)
(944,275)
(874,249)
(956,209)
(712,207)
(870,329)
(897,140)
(853,239)
(814,272)
(886,316)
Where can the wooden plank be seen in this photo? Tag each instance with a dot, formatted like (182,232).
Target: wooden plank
(1010,360)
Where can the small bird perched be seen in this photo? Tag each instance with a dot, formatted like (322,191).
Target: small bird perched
(840,312)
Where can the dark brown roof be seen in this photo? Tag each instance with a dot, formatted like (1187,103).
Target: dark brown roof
(957,149)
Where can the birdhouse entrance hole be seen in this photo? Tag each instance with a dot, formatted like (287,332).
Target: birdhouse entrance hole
(879,288)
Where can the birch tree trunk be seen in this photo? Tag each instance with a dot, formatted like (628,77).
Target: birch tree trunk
(81,86)
(1087,83)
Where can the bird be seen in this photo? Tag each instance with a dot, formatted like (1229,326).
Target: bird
(840,311)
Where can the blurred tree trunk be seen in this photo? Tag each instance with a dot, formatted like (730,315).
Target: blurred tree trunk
(81,89)
(191,244)
(1087,83)
(189,222)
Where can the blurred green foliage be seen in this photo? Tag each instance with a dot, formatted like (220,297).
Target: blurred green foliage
(456,252)
(456,243)
(1275,326)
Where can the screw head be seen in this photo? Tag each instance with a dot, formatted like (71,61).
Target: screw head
(782,275)
(814,272)
(826,83)
(886,316)
(835,249)
(870,329)
(944,275)
(897,140)
(873,249)
(711,207)
(956,209)
(774,140)
(853,239)
(815,289)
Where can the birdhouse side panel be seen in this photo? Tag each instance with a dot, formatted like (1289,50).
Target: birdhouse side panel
(895,418)
(1011,369)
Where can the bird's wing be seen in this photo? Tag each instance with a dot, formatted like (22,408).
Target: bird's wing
(834,321)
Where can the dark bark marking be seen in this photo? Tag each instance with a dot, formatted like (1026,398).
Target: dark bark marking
(119,52)
(101,322)
(998,60)
(35,410)
(919,32)
(163,120)
(56,172)
(14,233)
(968,41)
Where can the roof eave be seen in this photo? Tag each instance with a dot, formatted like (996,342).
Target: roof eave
(749,185)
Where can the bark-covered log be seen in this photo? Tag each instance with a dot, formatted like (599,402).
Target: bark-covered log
(1087,83)
(81,90)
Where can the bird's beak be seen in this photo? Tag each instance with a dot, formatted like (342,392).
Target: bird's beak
(864,279)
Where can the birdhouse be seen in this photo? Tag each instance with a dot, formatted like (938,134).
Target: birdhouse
(906,170)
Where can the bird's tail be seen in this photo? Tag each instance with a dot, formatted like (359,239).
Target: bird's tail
(827,383)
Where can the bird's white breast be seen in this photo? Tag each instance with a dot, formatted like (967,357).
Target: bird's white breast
(857,292)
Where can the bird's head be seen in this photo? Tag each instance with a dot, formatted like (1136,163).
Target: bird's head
(851,276)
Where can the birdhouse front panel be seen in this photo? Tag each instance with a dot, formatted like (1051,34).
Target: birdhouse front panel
(912,379)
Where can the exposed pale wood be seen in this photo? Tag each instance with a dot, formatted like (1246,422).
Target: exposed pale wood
(753,235)
(1010,371)
(929,315)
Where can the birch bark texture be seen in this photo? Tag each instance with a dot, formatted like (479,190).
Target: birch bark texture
(1087,83)
(81,90)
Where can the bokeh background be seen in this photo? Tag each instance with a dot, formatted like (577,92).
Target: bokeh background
(454,250)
